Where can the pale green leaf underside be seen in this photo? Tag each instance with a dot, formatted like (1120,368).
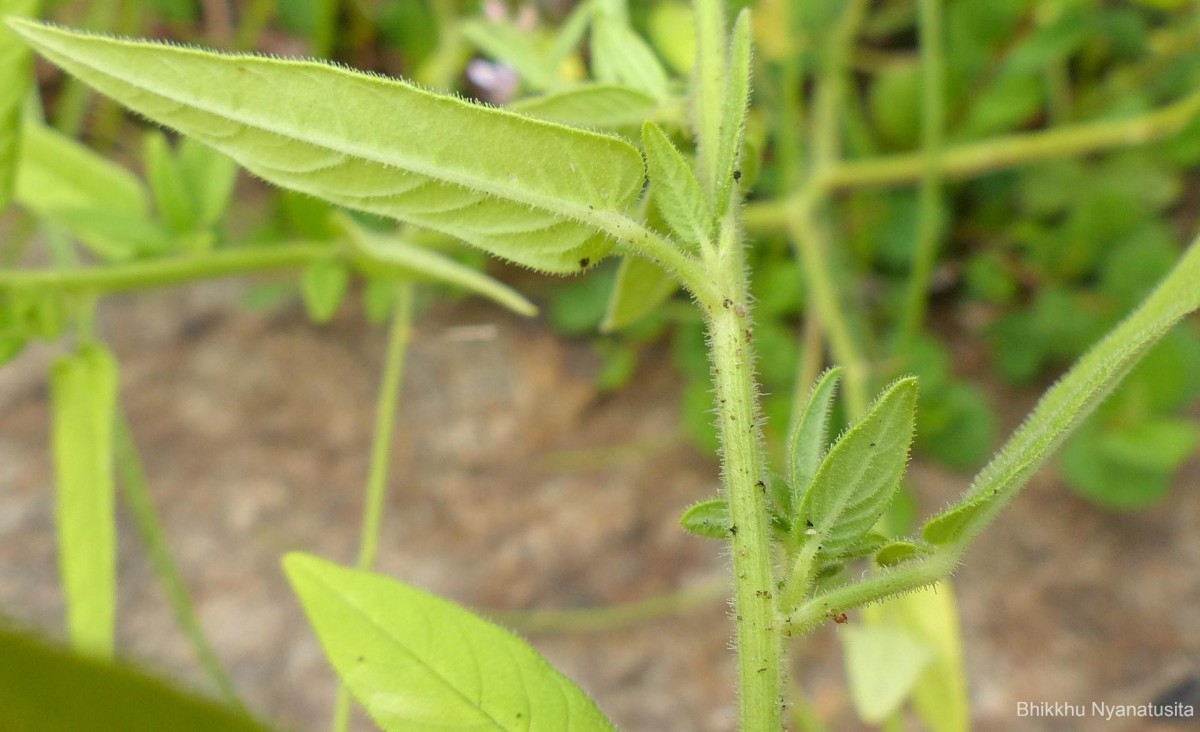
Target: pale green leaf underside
(676,190)
(861,472)
(882,665)
(518,188)
(83,390)
(1070,401)
(419,663)
(15,77)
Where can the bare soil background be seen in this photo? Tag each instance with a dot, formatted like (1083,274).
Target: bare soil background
(518,485)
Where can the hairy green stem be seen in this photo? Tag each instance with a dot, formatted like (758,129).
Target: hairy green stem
(154,537)
(399,335)
(930,195)
(708,90)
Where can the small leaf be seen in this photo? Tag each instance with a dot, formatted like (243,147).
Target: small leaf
(514,47)
(882,665)
(675,188)
(83,391)
(419,663)
(809,436)
(709,519)
(323,285)
(16,75)
(640,288)
(171,194)
(620,56)
(46,689)
(393,256)
(597,106)
(210,178)
(896,552)
(518,188)
(859,476)
(949,525)
(868,544)
(736,103)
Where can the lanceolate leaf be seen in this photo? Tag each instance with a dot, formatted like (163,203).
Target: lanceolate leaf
(171,194)
(1069,402)
(709,519)
(83,389)
(733,112)
(860,474)
(516,187)
(393,256)
(598,106)
(15,77)
(675,188)
(640,288)
(809,436)
(420,663)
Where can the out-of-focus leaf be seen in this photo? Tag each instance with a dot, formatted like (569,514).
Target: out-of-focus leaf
(83,392)
(882,665)
(620,56)
(15,77)
(639,289)
(47,689)
(210,178)
(599,106)
(672,30)
(323,285)
(171,194)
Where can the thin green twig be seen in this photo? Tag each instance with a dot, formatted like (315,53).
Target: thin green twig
(150,529)
(399,335)
(930,195)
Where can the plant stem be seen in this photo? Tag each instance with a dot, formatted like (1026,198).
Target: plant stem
(163,272)
(731,353)
(998,153)
(609,617)
(929,203)
(385,420)
(708,90)
(154,537)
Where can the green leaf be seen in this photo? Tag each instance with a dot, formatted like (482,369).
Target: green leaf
(210,178)
(672,29)
(171,194)
(640,288)
(83,392)
(735,105)
(516,187)
(510,45)
(709,519)
(323,285)
(882,665)
(417,662)
(1129,467)
(16,73)
(894,100)
(860,474)
(620,56)
(808,438)
(46,689)
(895,552)
(597,106)
(391,255)
(1065,406)
(675,189)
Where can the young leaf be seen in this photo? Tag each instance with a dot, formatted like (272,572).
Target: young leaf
(46,689)
(709,519)
(676,190)
(171,194)
(641,286)
(882,665)
(735,104)
(516,187)
(1069,402)
(597,106)
(83,392)
(809,435)
(15,76)
(417,662)
(393,256)
(860,474)
(323,285)
(620,56)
